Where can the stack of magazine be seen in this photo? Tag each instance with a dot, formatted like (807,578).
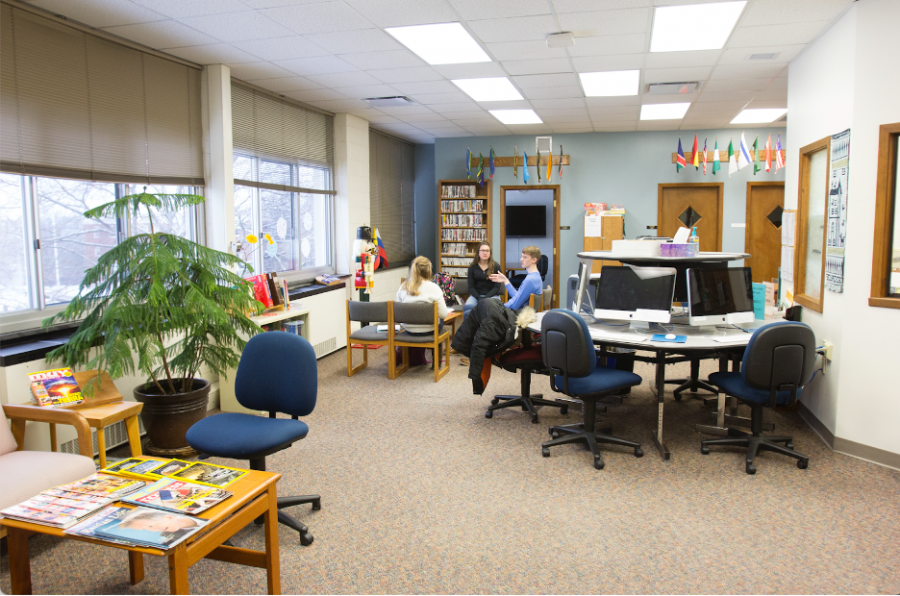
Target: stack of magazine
(194,472)
(140,526)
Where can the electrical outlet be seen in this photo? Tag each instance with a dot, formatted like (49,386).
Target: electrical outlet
(829,348)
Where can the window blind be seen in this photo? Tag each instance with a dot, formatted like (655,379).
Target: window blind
(269,128)
(78,106)
(391,206)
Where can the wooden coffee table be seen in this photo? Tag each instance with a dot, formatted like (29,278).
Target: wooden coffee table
(254,496)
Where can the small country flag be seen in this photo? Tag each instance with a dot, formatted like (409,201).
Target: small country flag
(756,165)
(525,175)
(704,157)
(480,176)
(717,165)
(468,164)
(492,162)
(560,161)
(769,153)
(732,160)
(779,158)
(679,161)
(743,156)
(549,164)
(516,162)
(695,154)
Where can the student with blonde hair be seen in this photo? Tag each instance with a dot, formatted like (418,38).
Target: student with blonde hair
(419,288)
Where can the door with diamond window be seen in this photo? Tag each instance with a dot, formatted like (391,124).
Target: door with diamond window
(765,205)
(690,205)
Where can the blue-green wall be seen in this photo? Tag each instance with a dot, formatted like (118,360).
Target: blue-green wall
(610,168)
(426,202)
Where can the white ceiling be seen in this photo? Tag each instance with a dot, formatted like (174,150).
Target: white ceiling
(331,53)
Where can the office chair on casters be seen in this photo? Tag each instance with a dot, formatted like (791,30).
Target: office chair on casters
(525,361)
(778,362)
(277,373)
(568,352)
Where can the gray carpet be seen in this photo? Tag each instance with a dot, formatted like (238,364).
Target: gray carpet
(422,494)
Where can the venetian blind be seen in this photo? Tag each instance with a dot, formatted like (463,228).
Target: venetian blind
(269,128)
(79,106)
(391,202)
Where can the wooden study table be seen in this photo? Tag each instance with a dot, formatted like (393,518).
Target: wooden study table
(254,496)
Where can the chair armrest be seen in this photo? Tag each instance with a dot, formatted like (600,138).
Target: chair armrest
(19,414)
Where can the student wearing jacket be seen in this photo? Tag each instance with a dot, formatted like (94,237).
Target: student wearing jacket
(533,284)
(480,285)
(490,329)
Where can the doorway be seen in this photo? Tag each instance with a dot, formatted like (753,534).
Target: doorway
(692,205)
(510,247)
(762,236)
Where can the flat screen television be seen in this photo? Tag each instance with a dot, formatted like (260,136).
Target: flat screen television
(526,220)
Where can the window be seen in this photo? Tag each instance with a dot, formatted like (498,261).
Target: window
(809,256)
(886,256)
(391,196)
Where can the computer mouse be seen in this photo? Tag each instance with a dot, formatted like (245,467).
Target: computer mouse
(670,336)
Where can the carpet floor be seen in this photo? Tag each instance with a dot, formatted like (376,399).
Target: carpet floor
(422,494)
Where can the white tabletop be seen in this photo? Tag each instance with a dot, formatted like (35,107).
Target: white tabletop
(609,255)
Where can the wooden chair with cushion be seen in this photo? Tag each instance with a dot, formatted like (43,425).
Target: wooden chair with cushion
(419,313)
(368,314)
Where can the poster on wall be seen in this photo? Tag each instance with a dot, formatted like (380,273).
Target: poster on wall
(837,212)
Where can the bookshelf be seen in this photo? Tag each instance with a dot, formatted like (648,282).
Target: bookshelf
(464,211)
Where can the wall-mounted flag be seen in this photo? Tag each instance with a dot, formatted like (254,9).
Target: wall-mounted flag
(480,175)
(468,164)
(516,162)
(549,164)
(743,156)
(769,153)
(679,161)
(779,160)
(717,165)
(756,166)
(525,175)
(539,166)
(491,160)
(560,161)
(704,157)
(732,159)
(695,154)
(381,259)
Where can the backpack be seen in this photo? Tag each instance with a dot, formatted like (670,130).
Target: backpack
(448,287)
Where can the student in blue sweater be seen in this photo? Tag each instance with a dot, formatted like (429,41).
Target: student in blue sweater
(532,284)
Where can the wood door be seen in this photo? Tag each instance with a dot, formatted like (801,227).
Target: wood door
(762,236)
(612,227)
(689,205)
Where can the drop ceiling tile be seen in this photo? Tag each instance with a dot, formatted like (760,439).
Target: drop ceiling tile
(545,80)
(571,102)
(604,63)
(443,130)
(348,42)
(778,83)
(792,33)
(427,116)
(505,105)
(190,8)
(416,74)
(736,85)
(561,92)
(315,66)
(614,128)
(566,128)
(322,17)
(466,107)
(716,107)
(769,94)
(282,48)
(106,13)
(237,26)
(537,67)
(513,28)
(499,9)
(428,87)
(402,111)
(615,123)
(610,45)
(776,12)
(361,91)
(676,75)
(475,122)
(429,124)
(345,79)
(563,118)
(388,59)
(215,53)
(564,6)
(488,131)
(682,59)
(479,70)
(257,4)
(748,70)
(162,34)
(340,105)
(439,98)
(615,113)
(742,55)
(707,123)
(528,129)
(647,125)
(464,133)
(535,49)
(382,118)
(258,70)
(289,84)
(311,95)
(720,96)
(399,13)
(563,113)
(606,102)
(606,22)
(767,104)
(674,98)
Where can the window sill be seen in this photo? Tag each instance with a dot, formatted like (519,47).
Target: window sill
(882,302)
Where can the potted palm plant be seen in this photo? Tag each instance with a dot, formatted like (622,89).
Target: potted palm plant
(161,306)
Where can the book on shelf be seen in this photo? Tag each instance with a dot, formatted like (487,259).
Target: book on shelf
(458,191)
(274,288)
(459,249)
(56,387)
(104,485)
(148,527)
(261,289)
(466,221)
(209,474)
(177,495)
(462,206)
(464,234)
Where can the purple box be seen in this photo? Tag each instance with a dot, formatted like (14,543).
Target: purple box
(678,250)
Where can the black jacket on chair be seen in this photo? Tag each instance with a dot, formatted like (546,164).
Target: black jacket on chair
(489,329)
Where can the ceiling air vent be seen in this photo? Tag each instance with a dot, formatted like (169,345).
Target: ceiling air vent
(672,88)
(543,144)
(395,101)
(762,56)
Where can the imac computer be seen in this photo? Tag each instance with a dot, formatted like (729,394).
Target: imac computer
(722,295)
(635,294)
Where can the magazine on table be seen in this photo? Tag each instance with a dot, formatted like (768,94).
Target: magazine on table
(144,526)
(209,474)
(166,468)
(55,387)
(177,495)
(87,527)
(103,485)
(143,468)
(48,510)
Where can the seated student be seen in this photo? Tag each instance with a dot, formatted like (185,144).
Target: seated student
(480,285)
(533,284)
(419,288)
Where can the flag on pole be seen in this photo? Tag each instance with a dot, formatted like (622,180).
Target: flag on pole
(516,162)
(560,162)
(525,175)
(492,162)
(480,175)
(549,164)
(779,160)
(756,165)
(732,163)
(717,165)
(381,259)
(539,166)
(679,161)
(704,157)
(468,164)
(743,156)
(695,154)
(769,153)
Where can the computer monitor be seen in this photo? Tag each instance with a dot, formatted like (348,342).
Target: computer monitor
(635,294)
(718,296)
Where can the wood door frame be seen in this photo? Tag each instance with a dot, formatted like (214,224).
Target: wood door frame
(747,218)
(556,207)
(721,200)
(884,216)
(803,201)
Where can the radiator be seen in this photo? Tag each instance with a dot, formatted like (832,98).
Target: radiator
(323,348)
(116,434)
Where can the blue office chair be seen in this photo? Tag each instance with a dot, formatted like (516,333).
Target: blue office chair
(277,373)
(569,354)
(778,362)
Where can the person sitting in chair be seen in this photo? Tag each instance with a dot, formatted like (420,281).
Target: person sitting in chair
(480,285)
(420,288)
(532,285)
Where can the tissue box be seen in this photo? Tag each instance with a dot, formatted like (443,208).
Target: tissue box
(688,249)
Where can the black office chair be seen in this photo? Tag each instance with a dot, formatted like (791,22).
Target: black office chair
(543,265)
(569,354)
(277,373)
(778,362)
(462,292)
(525,361)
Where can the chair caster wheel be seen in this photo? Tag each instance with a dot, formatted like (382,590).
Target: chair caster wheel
(704,450)
(598,464)
(564,410)
(545,452)
(789,445)
(495,401)
(750,469)
(638,452)
(534,419)
(677,396)
(489,414)
(802,463)
(554,434)
(524,408)
(306,539)
(317,504)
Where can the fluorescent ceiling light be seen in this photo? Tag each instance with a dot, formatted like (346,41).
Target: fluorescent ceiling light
(694,27)
(759,116)
(445,43)
(516,116)
(491,89)
(608,84)
(664,111)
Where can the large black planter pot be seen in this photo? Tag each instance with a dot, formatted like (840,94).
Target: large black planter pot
(167,418)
